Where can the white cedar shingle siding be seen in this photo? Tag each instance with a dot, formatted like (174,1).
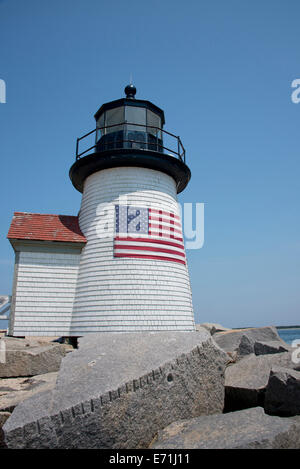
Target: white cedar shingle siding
(44,293)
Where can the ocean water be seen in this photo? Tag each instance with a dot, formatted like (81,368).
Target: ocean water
(288,335)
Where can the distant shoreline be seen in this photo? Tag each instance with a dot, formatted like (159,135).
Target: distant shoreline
(257,327)
(277,327)
(287,327)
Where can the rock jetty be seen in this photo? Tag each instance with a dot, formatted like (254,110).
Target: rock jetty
(212,388)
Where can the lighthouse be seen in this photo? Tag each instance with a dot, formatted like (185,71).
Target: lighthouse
(120,265)
(133,274)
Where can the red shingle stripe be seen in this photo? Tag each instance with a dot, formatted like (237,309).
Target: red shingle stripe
(42,227)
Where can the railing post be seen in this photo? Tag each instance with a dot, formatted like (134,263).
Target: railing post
(77,143)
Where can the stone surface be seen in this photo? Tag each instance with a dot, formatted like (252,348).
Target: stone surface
(248,345)
(245,347)
(246,380)
(3,417)
(118,390)
(246,429)
(15,390)
(268,347)
(29,357)
(247,341)
(283,392)
(2,441)
(212,327)
(4,299)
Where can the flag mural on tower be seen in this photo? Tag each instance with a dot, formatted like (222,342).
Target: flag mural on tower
(148,233)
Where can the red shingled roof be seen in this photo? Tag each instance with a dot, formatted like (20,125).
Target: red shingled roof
(40,227)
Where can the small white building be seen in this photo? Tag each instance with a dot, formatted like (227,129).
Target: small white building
(121,265)
(47,254)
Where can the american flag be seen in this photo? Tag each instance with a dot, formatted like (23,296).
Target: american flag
(148,233)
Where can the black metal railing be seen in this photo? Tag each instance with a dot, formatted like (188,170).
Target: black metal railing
(149,139)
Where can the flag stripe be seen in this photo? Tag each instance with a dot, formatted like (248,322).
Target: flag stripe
(163,233)
(143,237)
(143,256)
(163,223)
(146,253)
(169,237)
(140,250)
(163,228)
(139,247)
(150,240)
(169,221)
(163,213)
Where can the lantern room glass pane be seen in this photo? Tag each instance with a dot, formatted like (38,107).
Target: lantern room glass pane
(153,120)
(112,117)
(136,115)
(100,123)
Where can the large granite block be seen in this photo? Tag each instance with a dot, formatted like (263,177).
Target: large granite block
(246,380)
(29,357)
(283,392)
(260,341)
(245,429)
(118,389)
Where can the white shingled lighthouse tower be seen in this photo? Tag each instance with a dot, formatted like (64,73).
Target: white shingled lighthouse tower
(132,274)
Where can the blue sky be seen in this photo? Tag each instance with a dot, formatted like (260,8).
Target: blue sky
(222,72)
